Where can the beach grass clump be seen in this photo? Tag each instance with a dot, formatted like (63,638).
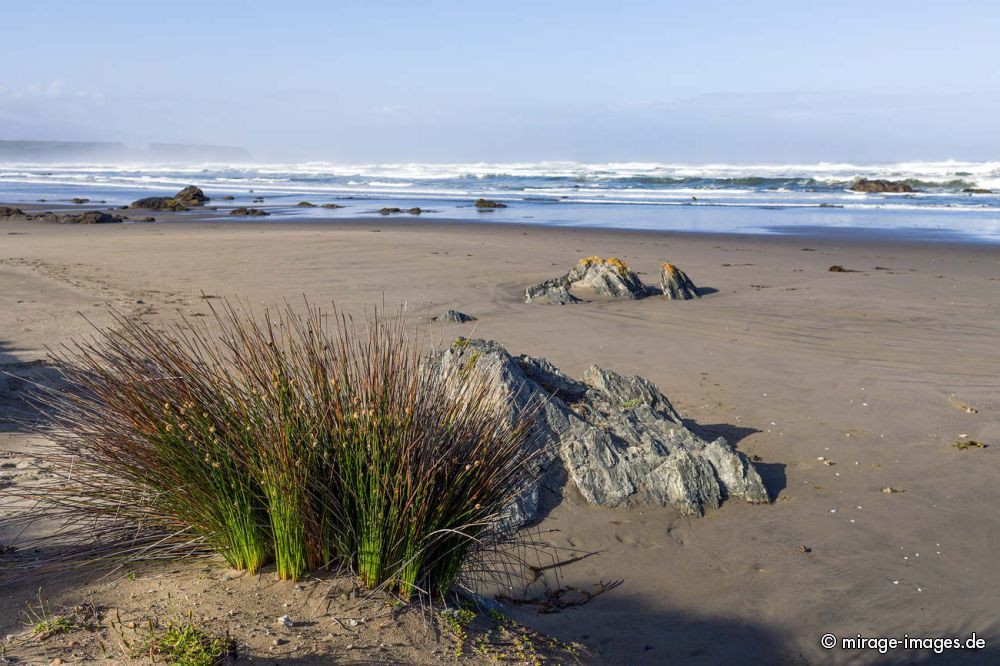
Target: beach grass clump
(303,440)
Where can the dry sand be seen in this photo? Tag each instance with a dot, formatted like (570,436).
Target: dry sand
(802,367)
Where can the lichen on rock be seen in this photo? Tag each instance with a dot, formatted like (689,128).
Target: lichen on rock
(609,277)
(676,284)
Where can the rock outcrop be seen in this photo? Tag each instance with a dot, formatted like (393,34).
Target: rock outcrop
(878,186)
(191,196)
(331,205)
(612,278)
(248,212)
(977,190)
(554,291)
(90,217)
(455,317)
(609,277)
(305,204)
(487,204)
(617,439)
(675,283)
(159,203)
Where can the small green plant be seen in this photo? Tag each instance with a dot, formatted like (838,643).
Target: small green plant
(53,626)
(631,404)
(965,444)
(500,639)
(178,644)
(45,624)
(458,620)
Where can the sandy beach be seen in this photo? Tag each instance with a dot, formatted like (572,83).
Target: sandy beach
(838,385)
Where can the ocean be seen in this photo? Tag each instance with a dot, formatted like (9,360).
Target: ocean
(728,198)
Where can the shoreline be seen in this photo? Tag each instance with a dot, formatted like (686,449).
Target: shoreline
(964,226)
(290,217)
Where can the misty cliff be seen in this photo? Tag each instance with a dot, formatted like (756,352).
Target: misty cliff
(89,151)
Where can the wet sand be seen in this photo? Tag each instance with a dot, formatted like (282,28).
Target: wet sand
(868,371)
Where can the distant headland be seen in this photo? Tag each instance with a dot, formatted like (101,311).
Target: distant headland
(61,151)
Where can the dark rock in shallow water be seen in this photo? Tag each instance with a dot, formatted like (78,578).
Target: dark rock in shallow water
(79,200)
(397,211)
(228,197)
(676,285)
(245,212)
(455,317)
(977,190)
(607,277)
(487,204)
(258,200)
(91,217)
(305,204)
(159,203)
(616,438)
(876,186)
(191,196)
(837,268)
(332,205)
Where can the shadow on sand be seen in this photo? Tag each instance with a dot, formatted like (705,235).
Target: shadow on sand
(16,376)
(614,628)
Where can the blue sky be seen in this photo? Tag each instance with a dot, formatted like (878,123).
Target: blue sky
(493,81)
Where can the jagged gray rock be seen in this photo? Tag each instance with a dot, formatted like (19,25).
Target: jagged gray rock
(617,439)
(608,277)
(675,283)
(455,317)
(555,291)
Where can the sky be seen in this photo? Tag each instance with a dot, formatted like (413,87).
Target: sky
(437,81)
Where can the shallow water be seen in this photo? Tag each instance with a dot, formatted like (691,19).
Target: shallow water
(707,198)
